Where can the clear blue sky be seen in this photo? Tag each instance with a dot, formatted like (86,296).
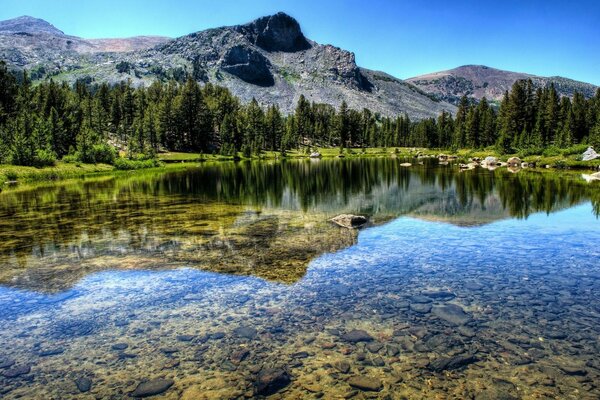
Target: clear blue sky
(404,38)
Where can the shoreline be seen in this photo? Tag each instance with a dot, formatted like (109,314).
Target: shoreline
(12,176)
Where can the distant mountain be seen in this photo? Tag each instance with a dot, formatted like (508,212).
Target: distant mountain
(478,81)
(269,59)
(26,24)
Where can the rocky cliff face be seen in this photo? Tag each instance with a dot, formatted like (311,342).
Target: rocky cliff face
(269,59)
(478,81)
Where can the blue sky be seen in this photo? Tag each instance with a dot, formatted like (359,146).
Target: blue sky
(404,38)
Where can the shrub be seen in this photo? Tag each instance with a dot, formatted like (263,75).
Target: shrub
(551,151)
(575,149)
(71,158)
(11,175)
(104,153)
(44,158)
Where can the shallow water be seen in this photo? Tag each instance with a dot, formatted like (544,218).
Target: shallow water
(228,281)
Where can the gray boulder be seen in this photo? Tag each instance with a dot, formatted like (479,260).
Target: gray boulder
(589,154)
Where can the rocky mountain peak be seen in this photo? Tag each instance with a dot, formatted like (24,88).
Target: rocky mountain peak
(27,24)
(278,32)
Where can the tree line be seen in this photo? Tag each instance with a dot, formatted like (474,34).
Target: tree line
(89,123)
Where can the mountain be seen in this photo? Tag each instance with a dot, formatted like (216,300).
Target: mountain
(26,24)
(478,81)
(269,59)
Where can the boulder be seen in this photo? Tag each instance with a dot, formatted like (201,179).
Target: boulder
(589,154)
(350,221)
(514,162)
(405,164)
(490,161)
(315,154)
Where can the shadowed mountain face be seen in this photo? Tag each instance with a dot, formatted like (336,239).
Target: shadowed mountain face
(267,220)
(478,81)
(269,59)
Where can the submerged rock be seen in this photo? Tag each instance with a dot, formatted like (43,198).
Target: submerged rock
(365,383)
(153,387)
(16,371)
(350,221)
(247,332)
(450,363)
(271,380)
(451,313)
(357,335)
(84,384)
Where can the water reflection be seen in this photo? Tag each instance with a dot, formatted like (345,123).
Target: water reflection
(263,219)
(228,282)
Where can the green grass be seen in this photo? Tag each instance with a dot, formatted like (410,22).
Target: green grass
(561,159)
(62,171)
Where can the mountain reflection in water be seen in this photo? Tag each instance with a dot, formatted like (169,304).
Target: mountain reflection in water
(227,281)
(263,219)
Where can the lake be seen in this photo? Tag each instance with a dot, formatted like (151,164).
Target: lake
(229,281)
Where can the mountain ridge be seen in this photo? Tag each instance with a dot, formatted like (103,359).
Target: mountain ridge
(268,59)
(478,81)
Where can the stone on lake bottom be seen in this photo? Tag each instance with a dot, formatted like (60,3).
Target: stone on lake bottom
(271,380)
(84,384)
(152,387)
(365,383)
(452,314)
(357,335)
(245,332)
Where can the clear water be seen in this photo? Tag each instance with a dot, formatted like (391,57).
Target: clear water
(228,281)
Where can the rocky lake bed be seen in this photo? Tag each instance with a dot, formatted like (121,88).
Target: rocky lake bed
(210,284)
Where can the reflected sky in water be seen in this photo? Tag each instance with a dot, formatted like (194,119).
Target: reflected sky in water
(479,284)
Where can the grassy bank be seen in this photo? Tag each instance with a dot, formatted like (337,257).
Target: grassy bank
(560,159)
(11,175)
(569,158)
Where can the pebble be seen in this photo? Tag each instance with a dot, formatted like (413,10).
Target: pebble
(365,383)
(152,387)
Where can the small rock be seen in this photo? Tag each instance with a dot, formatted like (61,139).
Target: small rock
(452,314)
(16,371)
(365,383)
(152,387)
(51,352)
(342,366)
(247,332)
(451,363)
(239,356)
(84,384)
(271,380)
(185,338)
(420,308)
(119,346)
(7,362)
(374,347)
(357,335)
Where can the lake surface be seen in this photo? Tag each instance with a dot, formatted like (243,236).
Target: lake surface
(228,281)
